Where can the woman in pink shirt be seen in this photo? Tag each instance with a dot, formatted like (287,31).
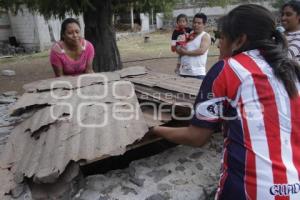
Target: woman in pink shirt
(72,55)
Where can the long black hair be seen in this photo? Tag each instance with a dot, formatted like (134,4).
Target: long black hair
(65,24)
(258,24)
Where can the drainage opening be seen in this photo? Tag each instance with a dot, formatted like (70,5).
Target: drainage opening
(123,161)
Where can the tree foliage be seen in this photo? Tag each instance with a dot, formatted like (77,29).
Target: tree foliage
(279,3)
(221,3)
(144,6)
(165,6)
(59,8)
(209,3)
(97,16)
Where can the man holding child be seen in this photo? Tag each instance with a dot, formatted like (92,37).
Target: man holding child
(193,55)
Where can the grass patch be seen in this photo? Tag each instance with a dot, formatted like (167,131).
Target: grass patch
(158,46)
(23,57)
(132,47)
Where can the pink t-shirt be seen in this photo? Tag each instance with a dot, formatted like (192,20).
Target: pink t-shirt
(59,59)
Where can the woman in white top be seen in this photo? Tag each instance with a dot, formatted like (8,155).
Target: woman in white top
(290,18)
(194,56)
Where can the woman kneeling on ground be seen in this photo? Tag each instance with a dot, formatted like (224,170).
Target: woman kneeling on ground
(72,55)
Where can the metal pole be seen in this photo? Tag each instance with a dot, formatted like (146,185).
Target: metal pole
(131,13)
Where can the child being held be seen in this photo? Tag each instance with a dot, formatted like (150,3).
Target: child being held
(180,36)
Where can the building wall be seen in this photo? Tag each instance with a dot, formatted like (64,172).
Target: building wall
(43,33)
(25,29)
(5,28)
(145,26)
(159,20)
(214,11)
(32,30)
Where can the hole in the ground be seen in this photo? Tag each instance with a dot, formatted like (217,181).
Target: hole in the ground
(123,161)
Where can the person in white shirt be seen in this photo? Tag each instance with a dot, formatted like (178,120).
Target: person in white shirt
(194,55)
(290,19)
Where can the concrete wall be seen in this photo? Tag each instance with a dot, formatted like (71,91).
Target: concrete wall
(145,26)
(32,30)
(43,33)
(159,20)
(5,29)
(54,29)
(213,11)
(25,29)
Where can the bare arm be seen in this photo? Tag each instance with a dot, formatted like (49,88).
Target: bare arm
(58,71)
(89,68)
(205,44)
(91,54)
(191,135)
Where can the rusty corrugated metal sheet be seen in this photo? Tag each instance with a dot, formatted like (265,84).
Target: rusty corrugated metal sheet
(7,183)
(132,71)
(71,82)
(167,89)
(162,95)
(56,96)
(43,145)
(168,92)
(168,82)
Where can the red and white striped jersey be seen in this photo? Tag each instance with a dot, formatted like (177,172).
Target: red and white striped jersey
(261,126)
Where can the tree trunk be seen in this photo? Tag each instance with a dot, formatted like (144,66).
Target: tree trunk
(99,31)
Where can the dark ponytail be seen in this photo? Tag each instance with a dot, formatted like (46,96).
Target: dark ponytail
(285,69)
(259,25)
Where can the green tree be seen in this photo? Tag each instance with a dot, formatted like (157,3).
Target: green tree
(279,3)
(221,3)
(203,3)
(97,15)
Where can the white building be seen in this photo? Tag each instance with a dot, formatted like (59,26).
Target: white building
(217,10)
(31,30)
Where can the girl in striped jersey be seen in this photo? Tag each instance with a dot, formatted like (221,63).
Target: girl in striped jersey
(290,18)
(252,94)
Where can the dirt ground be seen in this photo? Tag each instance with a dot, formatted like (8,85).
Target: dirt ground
(133,52)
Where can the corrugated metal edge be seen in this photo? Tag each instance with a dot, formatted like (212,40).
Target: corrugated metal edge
(164,95)
(7,183)
(31,150)
(168,82)
(71,82)
(132,71)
